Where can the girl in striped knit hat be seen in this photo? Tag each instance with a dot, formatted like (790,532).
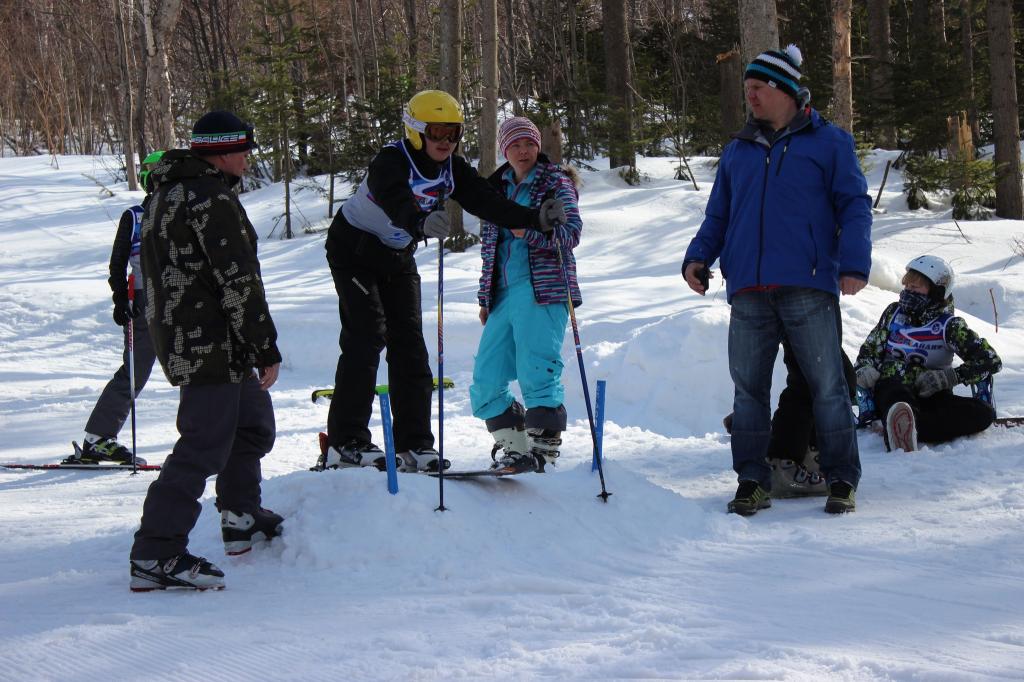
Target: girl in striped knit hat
(523,298)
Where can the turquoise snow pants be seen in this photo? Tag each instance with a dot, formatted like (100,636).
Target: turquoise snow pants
(522,340)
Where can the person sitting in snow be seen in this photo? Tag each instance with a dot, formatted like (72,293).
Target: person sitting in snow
(907,361)
(523,306)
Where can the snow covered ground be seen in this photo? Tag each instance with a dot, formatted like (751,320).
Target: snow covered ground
(526,578)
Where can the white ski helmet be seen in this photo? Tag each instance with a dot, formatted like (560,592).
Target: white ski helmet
(938,272)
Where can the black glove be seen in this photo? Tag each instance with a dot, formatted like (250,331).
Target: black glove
(552,212)
(125,310)
(436,225)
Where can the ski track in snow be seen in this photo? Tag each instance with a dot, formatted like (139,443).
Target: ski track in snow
(532,577)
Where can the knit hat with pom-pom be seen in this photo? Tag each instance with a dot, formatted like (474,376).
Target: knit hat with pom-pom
(779,69)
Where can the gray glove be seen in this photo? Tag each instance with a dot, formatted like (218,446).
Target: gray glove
(867,376)
(934,380)
(552,212)
(436,225)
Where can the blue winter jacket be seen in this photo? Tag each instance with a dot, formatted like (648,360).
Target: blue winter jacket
(791,213)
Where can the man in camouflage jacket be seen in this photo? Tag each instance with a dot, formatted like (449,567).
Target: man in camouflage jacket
(212,331)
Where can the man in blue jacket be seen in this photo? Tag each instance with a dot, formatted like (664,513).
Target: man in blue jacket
(789,220)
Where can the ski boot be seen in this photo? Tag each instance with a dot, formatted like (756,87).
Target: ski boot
(183,572)
(544,445)
(352,454)
(790,479)
(900,428)
(513,442)
(423,459)
(241,530)
(96,449)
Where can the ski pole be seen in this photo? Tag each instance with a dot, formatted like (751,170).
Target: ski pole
(131,361)
(440,367)
(583,373)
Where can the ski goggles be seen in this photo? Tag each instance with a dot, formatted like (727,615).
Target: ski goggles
(441,132)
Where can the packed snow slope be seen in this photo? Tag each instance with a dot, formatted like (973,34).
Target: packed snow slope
(525,578)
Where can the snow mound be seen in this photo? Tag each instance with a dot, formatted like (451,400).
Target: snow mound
(529,529)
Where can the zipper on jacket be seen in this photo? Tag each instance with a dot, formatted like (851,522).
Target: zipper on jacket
(778,168)
(764,190)
(814,247)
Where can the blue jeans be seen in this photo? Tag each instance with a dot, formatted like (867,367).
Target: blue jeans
(809,319)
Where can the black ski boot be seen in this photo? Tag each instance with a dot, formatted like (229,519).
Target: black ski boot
(181,572)
(241,530)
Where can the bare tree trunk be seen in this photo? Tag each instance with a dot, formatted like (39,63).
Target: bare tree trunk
(1009,200)
(489,111)
(451,82)
(158,20)
(842,75)
(617,84)
(730,97)
(967,51)
(880,73)
(551,140)
(127,97)
(759,28)
(410,27)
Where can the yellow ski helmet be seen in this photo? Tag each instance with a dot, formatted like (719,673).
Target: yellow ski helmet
(147,166)
(431,106)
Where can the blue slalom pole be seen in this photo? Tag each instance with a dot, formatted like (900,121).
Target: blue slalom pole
(389,441)
(599,408)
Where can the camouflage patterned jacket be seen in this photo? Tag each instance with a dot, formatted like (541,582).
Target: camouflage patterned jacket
(979,358)
(206,307)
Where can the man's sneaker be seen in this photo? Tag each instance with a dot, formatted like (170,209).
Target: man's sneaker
(352,454)
(790,479)
(182,572)
(424,459)
(240,531)
(544,444)
(900,429)
(103,450)
(840,498)
(750,497)
(514,463)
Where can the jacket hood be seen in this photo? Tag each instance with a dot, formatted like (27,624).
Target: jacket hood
(181,164)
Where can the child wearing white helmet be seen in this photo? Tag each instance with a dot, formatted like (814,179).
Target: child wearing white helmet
(907,360)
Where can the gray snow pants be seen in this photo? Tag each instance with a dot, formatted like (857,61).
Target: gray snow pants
(115,402)
(225,430)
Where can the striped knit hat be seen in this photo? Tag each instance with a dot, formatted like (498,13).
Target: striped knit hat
(221,132)
(517,128)
(779,69)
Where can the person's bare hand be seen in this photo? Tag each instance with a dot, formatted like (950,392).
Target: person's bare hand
(849,286)
(268,375)
(483,315)
(692,273)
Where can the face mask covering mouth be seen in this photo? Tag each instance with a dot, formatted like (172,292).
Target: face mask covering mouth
(913,302)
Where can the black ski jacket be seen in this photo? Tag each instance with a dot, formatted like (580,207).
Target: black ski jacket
(206,306)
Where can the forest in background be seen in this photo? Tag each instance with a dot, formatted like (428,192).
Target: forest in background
(324,81)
